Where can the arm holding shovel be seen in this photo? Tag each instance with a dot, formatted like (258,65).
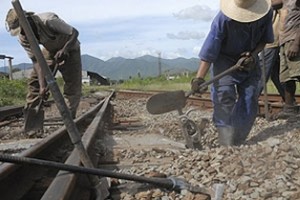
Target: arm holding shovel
(199,80)
(245,63)
(41,79)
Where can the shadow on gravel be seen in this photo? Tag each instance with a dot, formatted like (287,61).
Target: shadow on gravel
(290,124)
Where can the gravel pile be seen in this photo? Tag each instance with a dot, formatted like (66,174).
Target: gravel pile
(266,167)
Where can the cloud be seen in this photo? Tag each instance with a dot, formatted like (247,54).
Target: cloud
(186,35)
(130,28)
(196,13)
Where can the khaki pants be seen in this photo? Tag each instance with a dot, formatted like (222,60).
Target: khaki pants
(289,68)
(71,71)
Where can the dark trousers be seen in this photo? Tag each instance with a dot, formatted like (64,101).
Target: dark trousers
(272,66)
(71,71)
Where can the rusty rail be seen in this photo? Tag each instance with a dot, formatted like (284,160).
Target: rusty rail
(63,185)
(16,180)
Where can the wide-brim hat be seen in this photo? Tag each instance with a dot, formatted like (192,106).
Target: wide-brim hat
(245,10)
(12,21)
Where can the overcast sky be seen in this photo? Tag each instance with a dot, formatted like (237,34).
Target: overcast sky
(126,28)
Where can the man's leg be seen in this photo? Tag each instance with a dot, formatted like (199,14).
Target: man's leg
(72,75)
(245,110)
(224,98)
(33,86)
(289,108)
(290,90)
(275,74)
(270,58)
(289,70)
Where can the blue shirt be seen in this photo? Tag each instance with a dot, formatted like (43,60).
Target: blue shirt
(228,38)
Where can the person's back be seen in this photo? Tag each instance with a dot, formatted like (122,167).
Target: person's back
(51,32)
(60,47)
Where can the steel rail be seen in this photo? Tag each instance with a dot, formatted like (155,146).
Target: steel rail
(274,101)
(12,176)
(63,186)
(8,111)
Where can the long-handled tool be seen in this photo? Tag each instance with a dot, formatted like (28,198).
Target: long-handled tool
(34,117)
(169,101)
(99,185)
(171,183)
(264,79)
(176,100)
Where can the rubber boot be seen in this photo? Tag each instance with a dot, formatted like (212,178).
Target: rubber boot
(287,112)
(226,136)
(239,137)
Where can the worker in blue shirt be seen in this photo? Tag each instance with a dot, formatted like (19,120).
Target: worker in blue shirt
(238,33)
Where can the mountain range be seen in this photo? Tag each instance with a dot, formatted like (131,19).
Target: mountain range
(119,68)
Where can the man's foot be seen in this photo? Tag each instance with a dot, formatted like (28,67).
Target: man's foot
(287,112)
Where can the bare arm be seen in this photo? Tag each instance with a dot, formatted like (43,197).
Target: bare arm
(41,78)
(72,40)
(63,53)
(203,69)
(258,49)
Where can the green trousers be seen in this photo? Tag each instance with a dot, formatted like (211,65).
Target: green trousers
(71,71)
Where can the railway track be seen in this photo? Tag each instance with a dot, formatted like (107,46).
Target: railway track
(96,125)
(274,103)
(114,141)
(27,182)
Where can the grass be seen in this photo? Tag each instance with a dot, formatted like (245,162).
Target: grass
(14,92)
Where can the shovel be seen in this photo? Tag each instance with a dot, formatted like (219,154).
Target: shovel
(176,100)
(34,117)
(170,183)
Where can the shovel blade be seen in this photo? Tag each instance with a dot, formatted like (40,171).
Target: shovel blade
(34,119)
(166,102)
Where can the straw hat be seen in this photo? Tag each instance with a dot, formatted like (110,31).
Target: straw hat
(12,21)
(245,10)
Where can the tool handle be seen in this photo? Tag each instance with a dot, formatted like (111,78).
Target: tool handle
(217,77)
(222,74)
(161,182)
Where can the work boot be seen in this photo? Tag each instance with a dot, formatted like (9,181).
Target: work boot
(226,136)
(287,112)
(239,137)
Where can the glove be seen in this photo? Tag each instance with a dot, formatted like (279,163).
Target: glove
(246,62)
(196,85)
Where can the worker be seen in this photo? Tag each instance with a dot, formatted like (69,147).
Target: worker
(238,33)
(271,60)
(289,56)
(60,47)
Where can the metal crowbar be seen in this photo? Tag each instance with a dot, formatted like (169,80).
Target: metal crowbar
(170,183)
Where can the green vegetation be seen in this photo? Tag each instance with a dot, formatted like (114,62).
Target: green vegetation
(179,83)
(12,92)
(160,83)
